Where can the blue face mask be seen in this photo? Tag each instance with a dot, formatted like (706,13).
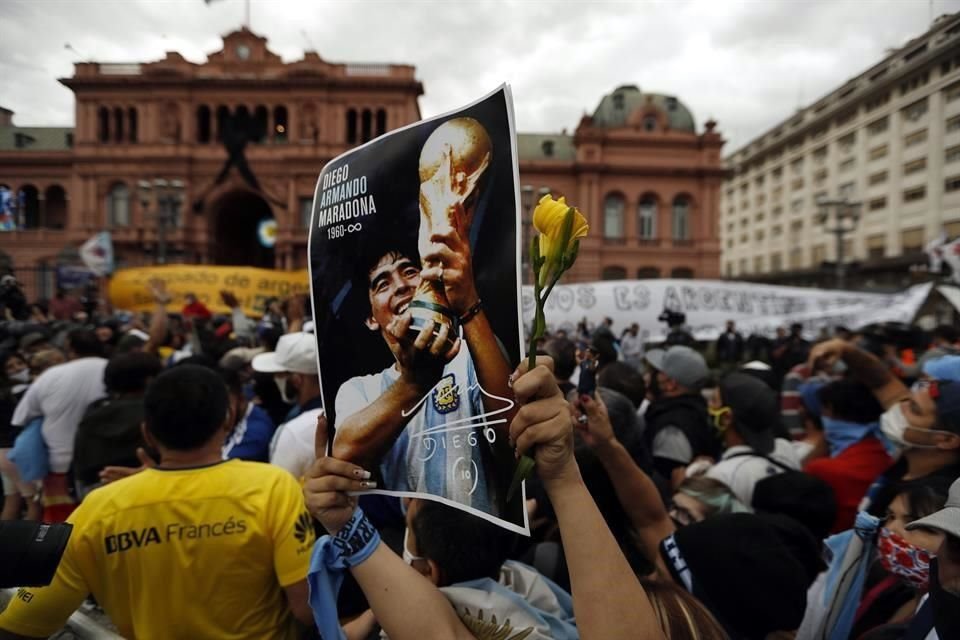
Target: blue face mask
(843,433)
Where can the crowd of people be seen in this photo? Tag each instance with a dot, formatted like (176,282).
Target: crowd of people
(745,489)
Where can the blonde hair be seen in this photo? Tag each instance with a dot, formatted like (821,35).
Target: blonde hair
(680,615)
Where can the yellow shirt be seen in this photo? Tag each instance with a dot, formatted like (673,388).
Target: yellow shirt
(189,553)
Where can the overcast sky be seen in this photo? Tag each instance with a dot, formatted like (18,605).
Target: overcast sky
(746,64)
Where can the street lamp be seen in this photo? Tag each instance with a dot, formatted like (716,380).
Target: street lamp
(166,196)
(844,216)
(529,197)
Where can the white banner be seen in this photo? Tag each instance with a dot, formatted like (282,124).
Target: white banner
(709,304)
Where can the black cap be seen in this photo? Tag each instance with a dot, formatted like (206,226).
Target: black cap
(756,411)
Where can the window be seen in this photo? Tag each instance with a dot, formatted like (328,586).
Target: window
(877,204)
(613,217)
(132,122)
(758,264)
(777,212)
(797,184)
(547,148)
(281,129)
(796,227)
(613,273)
(760,199)
(879,101)
(846,118)
(796,206)
(306,211)
(846,142)
(650,123)
(951,155)
(759,235)
(912,240)
(878,126)
(777,193)
(915,194)
(776,262)
(681,272)
(952,184)
(915,82)
(846,190)
(915,111)
(647,273)
(366,125)
(820,176)
(103,124)
(820,155)
(847,165)
(118,124)
(351,126)
(647,218)
(878,152)
(876,246)
(776,231)
(118,206)
(203,124)
(681,218)
(952,92)
(796,258)
(877,178)
(914,166)
(777,174)
(797,165)
(819,255)
(760,216)
(381,121)
(953,124)
(915,138)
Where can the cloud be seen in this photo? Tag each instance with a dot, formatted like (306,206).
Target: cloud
(747,64)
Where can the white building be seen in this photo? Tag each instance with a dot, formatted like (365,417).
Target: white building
(888,138)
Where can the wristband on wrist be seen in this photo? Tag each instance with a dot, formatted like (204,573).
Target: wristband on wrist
(472,312)
(356,540)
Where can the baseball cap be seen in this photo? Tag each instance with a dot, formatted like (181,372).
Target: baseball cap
(947,519)
(946,395)
(681,363)
(944,368)
(755,409)
(295,353)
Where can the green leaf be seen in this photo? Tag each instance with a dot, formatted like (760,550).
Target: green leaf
(535,255)
(566,231)
(524,471)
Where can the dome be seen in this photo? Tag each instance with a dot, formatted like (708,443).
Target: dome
(616,107)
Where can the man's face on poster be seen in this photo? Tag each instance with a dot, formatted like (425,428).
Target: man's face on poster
(393,281)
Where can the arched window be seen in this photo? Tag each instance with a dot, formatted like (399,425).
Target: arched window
(203,124)
(647,217)
(650,123)
(260,123)
(381,121)
(118,205)
(118,124)
(223,114)
(55,205)
(648,273)
(366,126)
(613,216)
(29,205)
(681,272)
(351,126)
(280,125)
(132,121)
(103,124)
(613,273)
(681,218)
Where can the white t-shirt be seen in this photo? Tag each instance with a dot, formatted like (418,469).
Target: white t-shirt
(742,472)
(61,396)
(632,346)
(292,444)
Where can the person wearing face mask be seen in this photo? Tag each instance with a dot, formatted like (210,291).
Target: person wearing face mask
(922,425)
(14,379)
(938,617)
(249,439)
(678,429)
(851,426)
(294,369)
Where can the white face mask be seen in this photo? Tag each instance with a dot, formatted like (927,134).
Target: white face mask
(407,556)
(284,390)
(21,376)
(894,425)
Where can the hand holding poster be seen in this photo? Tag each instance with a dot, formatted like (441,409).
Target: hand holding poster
(415,284)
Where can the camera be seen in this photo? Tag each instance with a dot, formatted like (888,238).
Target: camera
(30,552)
(672,318)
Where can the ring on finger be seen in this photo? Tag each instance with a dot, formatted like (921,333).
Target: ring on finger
(582,419)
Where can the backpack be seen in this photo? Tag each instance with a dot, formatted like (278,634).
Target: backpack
(805,498)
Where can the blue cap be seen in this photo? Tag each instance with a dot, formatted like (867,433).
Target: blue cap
(808,395)
(945,368)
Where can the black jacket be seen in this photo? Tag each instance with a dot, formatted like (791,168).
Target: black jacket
(689,414)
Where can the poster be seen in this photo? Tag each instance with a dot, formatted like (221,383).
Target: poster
(709,304)
(408,233)
(130,288)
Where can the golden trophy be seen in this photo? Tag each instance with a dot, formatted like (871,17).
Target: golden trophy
(452,162)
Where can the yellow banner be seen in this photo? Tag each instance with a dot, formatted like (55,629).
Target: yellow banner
(130,288)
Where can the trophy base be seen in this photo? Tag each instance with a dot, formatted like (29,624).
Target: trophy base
(423,312)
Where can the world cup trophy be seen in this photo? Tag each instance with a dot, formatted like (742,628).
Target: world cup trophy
(453,161)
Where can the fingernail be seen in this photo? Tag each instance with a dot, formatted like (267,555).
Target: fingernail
(370,484)
(510,379)
(362,474)
(584,397)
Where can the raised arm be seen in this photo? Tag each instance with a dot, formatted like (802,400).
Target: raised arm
(862,366)
(609,603)
(405,603)
(158,321)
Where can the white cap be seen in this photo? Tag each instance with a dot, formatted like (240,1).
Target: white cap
(296,353)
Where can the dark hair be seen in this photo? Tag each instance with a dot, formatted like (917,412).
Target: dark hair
(606,352)
(185,406)
(946,332)
(130,372)
(233,380)
(564,354)
(850,400)
(621,377)
(924,496)
(464,546)
(84,343)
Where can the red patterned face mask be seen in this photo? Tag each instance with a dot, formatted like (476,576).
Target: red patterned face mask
(909,563)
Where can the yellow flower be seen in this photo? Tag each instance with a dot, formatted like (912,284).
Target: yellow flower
(548,220)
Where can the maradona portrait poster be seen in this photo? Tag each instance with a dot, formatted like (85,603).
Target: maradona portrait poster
(414,252)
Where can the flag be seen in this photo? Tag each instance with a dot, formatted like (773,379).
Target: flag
(97,253)
(951,255)
(934,251)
